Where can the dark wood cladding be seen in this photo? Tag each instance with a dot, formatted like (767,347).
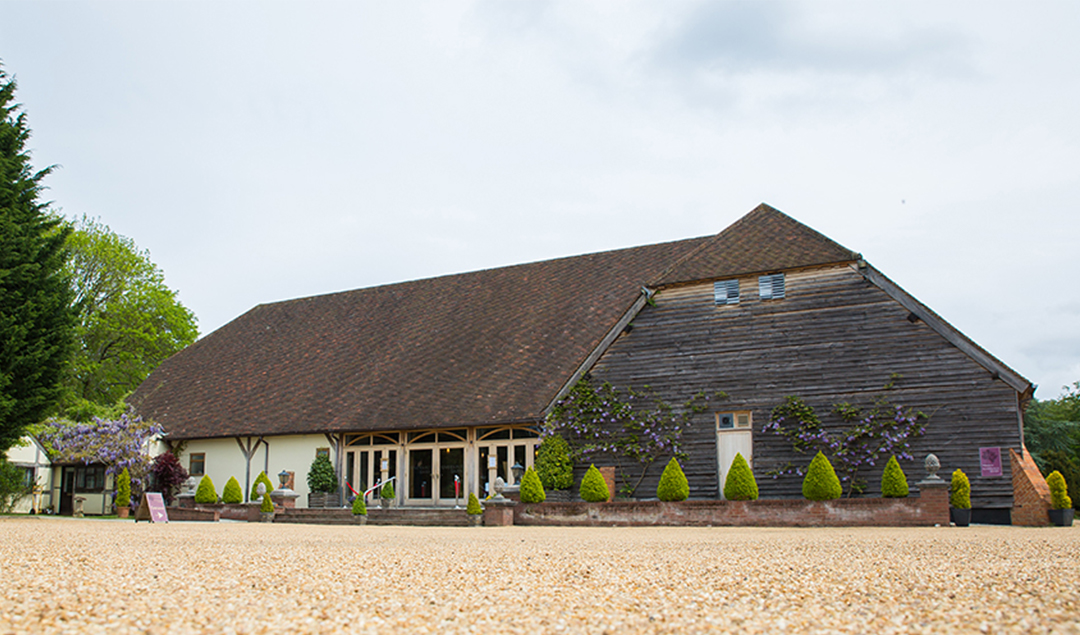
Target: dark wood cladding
(835,337)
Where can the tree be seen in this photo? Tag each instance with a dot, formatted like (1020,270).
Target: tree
(36,320)
(1053,425)
(129,321)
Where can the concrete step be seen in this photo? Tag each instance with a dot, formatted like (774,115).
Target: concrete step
(427,517)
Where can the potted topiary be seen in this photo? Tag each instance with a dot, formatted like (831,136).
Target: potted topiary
(821,483)
(593,487)
(673,485)
(474,511)
(893,482)
(123,494)
(739,485)
(960,499)
(554,467)
(266,509)
(206,494)
(322,483)
(232,494)
(386,495)
(532,490)
(359,511)
(1061,509)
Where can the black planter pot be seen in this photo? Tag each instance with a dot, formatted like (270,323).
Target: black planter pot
(960,517)
(1061,517)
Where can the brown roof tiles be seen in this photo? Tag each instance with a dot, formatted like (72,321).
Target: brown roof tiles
(485,347)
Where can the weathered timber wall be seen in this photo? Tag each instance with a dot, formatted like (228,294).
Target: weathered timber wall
(834,337)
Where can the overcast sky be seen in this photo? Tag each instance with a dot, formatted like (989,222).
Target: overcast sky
(263,151)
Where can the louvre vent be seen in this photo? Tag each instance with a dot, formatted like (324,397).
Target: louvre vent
(771,287)
(726,292)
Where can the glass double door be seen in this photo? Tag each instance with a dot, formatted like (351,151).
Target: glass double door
(436,474)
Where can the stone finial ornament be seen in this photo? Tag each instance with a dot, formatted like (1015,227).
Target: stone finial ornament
(932,466)
(260,489)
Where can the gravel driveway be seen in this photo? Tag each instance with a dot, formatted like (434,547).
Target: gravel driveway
(66,575)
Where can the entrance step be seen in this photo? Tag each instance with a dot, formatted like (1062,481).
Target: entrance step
(426,517)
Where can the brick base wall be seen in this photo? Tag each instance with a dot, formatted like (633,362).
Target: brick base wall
(1031,495)
(927,510)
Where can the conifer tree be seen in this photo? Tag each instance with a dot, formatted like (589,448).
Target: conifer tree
(593,488)
(673,485)
(36,319)
(739,485)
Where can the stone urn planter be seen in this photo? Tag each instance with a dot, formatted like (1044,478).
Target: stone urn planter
(359,519)
(476,520)
(266,517)
(1062,517)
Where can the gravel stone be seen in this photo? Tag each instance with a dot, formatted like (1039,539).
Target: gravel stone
(97,576)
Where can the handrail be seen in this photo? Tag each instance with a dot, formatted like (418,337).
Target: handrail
(377,486)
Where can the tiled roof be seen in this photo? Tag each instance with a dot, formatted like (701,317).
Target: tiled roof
(490,346)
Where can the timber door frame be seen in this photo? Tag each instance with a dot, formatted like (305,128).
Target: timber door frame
(734,431)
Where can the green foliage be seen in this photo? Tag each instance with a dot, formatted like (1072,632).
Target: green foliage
(821,482)
(740,484)
(232,493)
(387,491)
(129,321)
(673,485)
(267,504)
(13,485)
(893,482)
(1059,497)
(532,490)
(265,480)
(553,463)
(36,320)
(593,486)
(872,433)
(321,478)
(473,508)
(206,494)
(359,508)
(123,489)
(632,427)
(960,490)
(1056,461)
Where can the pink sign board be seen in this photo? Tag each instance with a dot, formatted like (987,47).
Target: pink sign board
(990,460)
(152,508)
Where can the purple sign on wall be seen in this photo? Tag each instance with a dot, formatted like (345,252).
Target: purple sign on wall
(990,459)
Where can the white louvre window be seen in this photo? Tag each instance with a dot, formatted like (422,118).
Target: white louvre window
(726,292)
(771,287)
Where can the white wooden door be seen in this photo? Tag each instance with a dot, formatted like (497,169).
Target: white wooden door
(729,442)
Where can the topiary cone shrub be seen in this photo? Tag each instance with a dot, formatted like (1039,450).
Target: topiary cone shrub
(265,480)
(960,491)
(532,490)
(267,505)
(553,464)
(123,489)
(473,507)
(232,494)
(358,506)
(1059,495)
(673,485)
(593,487)
(893,482)
(740,484)
(821,483)
(206,494)
(387,491)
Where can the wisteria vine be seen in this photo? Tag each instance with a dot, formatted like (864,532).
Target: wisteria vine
(117,443)
(874,435)
(634,427)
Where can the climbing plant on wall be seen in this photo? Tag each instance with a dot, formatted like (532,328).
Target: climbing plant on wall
(632,427)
